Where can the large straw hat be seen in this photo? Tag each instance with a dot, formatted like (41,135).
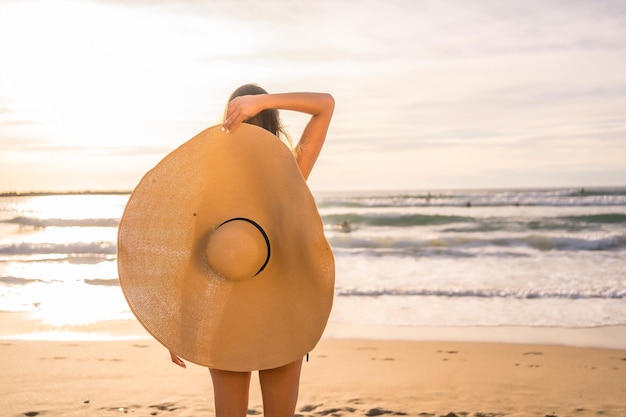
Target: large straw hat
(222,255)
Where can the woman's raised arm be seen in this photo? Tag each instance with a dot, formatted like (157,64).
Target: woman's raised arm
(319,105)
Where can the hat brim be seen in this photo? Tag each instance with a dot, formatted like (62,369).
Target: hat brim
(269,320)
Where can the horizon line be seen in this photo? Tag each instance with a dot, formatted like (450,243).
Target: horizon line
(125,192)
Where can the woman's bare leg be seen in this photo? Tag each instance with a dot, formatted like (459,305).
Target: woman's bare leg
(230,390)
(279,387)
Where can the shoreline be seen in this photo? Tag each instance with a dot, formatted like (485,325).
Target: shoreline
(23,326)
(605,337)
(343,377)
(113,368)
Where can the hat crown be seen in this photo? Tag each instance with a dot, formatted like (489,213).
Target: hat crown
(238,249)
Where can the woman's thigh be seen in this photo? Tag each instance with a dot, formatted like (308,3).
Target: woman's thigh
(279,387)
(231,391)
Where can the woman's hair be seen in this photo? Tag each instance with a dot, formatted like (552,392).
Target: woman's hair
(267,119)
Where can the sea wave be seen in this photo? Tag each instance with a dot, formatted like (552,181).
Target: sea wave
(76,248)
(478,198)
(104,282)
(393,219)
(12,280)
(58,222)
(575,244)
(481,293)
(606,218)
(469,246)
(469,223)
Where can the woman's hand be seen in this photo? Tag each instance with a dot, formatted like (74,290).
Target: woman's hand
(178,361)
(240,109)
(319,105)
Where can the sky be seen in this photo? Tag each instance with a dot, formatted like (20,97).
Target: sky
(430,95)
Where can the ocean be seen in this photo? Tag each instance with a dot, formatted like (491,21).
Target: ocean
(519,257)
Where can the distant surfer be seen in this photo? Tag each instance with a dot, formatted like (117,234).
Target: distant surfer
(343,227)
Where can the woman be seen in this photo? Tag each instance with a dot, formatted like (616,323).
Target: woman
(252,104)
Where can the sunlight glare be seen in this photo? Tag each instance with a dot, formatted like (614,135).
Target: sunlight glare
(77,303)
(88,68)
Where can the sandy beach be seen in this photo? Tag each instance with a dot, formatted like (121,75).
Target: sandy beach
(344,377)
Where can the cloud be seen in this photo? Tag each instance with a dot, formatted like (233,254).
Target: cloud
(440,90)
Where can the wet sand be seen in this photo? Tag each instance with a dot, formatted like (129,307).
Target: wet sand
(344,377)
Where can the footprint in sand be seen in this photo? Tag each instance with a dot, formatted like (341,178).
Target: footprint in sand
(380,411)
(335,411)
(165,407)
(122,409)
(448,352)
(308,408)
